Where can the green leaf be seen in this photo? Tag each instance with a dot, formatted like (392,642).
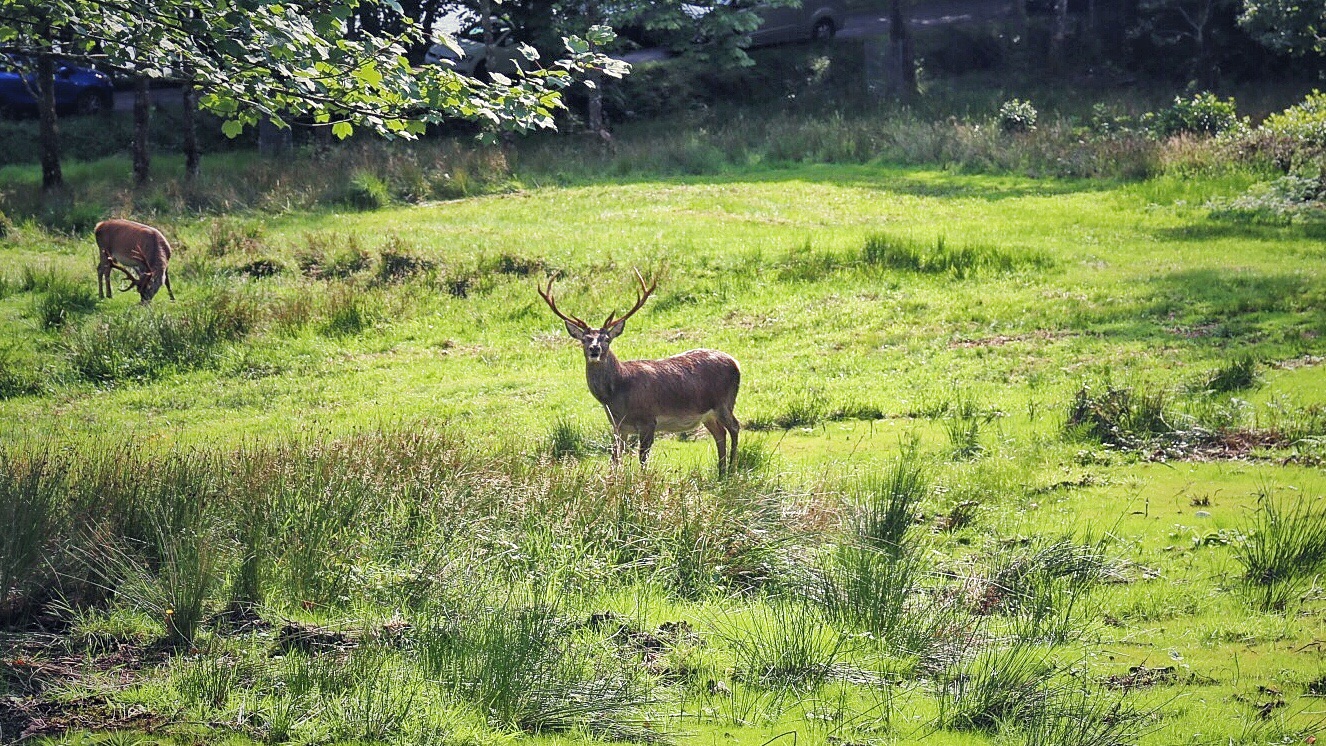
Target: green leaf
(232,128)
(342,130)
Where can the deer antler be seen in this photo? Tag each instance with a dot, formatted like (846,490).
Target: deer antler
(548,298)
(645,292)
(131,280)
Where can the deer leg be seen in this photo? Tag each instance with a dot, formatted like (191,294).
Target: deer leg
(719,432)
(165,276)
(646,441)
(617,437)
(103,278)
(617,442)
(729,422)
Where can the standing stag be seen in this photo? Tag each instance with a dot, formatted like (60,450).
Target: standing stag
(643,397)
(137,250)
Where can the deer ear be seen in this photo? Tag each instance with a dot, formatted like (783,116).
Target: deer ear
(615,329)
(575,331)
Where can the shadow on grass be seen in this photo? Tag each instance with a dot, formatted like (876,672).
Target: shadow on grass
(915,181)
(1231,293)
(1217,230)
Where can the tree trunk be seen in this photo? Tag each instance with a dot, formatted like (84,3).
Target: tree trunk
(1059,37)
(901,62)
(142,118)
(1020,19)
(594,111)
(51,175)
(192,158)
(272,140)
(594,107)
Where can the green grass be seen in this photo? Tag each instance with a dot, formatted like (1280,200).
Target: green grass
(1006,440)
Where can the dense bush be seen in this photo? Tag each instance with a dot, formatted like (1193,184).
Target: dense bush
(1293,139)
(1304,122)
(1016,115)
(1202,114)
(366,191)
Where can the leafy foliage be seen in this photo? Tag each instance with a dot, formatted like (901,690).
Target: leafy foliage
(1016,115)
(1201,114)
(1286,25)
(287,62)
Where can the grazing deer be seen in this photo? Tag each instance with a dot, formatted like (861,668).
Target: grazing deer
(137,250)
(643,397)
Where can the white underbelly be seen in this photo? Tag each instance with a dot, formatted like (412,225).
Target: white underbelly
(672,424)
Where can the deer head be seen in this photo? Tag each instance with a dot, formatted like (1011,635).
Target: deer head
(595,342)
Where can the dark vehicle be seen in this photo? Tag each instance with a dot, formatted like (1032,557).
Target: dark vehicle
(470,56)
(78,90)
(816,20)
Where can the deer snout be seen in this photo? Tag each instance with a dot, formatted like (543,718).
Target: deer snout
(594,351)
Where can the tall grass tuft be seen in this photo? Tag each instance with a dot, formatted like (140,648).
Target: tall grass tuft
(887,504)
(366,191)
(567,439)
(31,519)
(1000,685)
(873,581)
(1080,716)
(963,423)
(1121,416)
(380,705)
(347,313)
(62,300)
(891,252)
(146,343)
(879,593)
(1238,374)
(524,666)
(784,644)
(16,379)
(1042,587)
(1285,544)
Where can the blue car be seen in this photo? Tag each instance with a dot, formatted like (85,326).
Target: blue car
(78,90)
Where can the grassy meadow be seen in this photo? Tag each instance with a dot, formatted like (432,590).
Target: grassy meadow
(1024,460)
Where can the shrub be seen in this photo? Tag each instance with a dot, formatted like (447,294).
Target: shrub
(366,191)
(1119,415)
(1304,123)
(6,225)
(1016,115)
(1288,199)
(1203,114)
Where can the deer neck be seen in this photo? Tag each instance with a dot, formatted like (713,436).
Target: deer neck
(604,377)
